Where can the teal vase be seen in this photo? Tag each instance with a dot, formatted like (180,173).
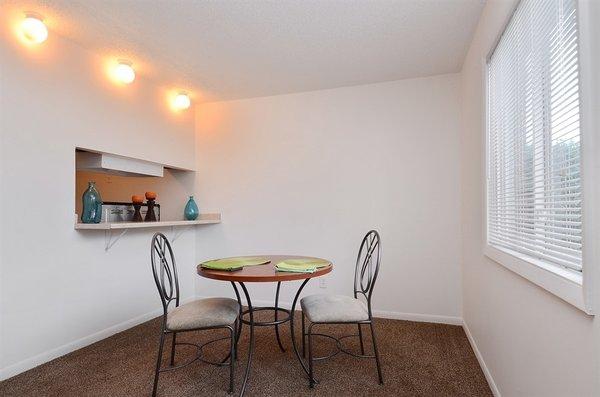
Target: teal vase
(92,205)
(191,211)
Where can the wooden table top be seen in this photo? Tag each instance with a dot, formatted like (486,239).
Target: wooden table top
(263,273)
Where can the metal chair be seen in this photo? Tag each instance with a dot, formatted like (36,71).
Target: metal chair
(199,315)
(340,309)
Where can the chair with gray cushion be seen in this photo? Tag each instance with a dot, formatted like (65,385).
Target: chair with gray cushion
(199,315)
(340,309)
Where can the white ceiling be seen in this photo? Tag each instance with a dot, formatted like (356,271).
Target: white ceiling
(232,49)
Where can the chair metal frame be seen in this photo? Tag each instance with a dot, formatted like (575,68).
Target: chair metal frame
(164,270)
(366,271)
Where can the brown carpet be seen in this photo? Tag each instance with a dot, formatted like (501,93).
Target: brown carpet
(418,359)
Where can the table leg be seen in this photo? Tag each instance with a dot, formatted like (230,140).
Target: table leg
(292,330)
(276,316)
(251,346)
(240,323)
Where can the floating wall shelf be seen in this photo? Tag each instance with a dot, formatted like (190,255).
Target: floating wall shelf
(117,165)
(123,227)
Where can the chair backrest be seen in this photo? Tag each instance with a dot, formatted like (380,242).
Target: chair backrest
(164,270)
(367,265)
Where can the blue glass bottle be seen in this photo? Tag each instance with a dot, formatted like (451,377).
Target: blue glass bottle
(92,205)
(191,211)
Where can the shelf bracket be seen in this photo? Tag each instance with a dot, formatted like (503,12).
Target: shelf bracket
(175,234)
(108,238)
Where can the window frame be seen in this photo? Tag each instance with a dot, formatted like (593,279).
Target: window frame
(576,289)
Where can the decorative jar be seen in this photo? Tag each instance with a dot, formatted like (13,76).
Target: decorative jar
(191,211)
(92,205)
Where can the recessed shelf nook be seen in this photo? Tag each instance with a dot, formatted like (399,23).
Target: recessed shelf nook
(118,177)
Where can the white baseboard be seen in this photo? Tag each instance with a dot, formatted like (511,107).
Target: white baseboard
(46,356)
(484,368)
(423,318)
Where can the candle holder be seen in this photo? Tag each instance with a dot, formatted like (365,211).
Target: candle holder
(150,215)
(137,205)
(137,215)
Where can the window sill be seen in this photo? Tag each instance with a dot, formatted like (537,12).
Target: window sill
(565,284)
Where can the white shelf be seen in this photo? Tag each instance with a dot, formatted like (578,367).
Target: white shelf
(123,227)
(203,219)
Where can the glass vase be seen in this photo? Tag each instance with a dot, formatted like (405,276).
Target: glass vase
(92,205)
(191,211)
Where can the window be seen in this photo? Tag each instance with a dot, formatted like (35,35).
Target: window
(534,208)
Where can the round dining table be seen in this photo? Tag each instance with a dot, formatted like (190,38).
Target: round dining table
(266,273)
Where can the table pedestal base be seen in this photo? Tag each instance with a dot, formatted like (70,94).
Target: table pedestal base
(276,323)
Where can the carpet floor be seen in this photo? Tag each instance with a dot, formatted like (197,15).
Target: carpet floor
(418,359)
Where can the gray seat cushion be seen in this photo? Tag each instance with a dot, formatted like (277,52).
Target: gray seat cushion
(209,312)
(333,309)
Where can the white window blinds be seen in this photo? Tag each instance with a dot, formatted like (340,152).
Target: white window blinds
(534,180)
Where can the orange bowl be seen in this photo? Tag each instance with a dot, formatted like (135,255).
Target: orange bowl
(137,199)
(150,195)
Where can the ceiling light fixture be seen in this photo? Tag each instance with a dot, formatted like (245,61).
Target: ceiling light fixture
(124,72)
(181,101)
(33,28)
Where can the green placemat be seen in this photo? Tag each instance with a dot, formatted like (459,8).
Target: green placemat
(301,265)
(231,264)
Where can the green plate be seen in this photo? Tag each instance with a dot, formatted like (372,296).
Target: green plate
(301,265)
(235,263)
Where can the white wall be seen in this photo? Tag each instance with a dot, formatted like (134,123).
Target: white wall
(533,343)
(57,284)
(311,173)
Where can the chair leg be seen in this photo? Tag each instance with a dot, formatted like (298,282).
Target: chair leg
(360,336)
(232,357)
(158,360)
(310,358)
(303,337)
(173,349)
(376,353)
